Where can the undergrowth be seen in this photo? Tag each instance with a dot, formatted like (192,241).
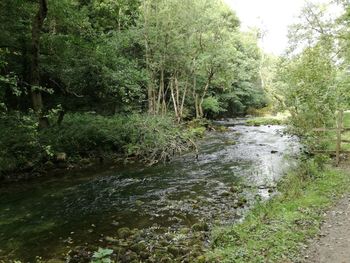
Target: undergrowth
(82,135)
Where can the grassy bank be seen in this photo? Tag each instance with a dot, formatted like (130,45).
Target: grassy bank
(276,230)
(85,137)
(267,120)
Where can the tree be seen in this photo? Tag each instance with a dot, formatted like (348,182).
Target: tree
(124,56)
(37,26)
(311,71)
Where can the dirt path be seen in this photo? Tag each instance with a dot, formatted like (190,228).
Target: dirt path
(333,243)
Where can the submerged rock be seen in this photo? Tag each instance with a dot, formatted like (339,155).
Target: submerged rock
(166,259)
(79,255)
(201,259)
(55,261)
(130,256)
(61,157)
(124,232)
(49,165)
(242,201)
(225,193)
(201,226)
(115,223)
(139,203)
(230,142)
(236,189)
(139,247)
(111,239)
(184,231)
(175,251)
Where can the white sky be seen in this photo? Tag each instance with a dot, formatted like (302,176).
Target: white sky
(273,16)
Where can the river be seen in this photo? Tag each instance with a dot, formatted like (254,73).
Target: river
(48,216)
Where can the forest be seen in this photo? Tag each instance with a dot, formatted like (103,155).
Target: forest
(104,103)
(68,66)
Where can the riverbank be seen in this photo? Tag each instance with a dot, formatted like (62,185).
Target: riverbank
(160,213)
(82,140)
(268,119)
(175,212)
(277,230)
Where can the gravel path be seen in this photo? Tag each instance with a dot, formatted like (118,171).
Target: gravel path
(333,243)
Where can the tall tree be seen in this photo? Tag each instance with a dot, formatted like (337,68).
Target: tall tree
(37,26)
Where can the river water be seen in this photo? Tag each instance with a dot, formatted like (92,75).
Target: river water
(48,216)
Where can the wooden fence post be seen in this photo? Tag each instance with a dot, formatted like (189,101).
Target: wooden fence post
(339,131)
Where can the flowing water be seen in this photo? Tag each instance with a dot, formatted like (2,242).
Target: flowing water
(47,216)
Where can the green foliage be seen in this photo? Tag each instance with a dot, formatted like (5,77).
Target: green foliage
(274,231)
(182,42)
(313,77)
(102,256)
(247,89)
(8,81)
(265,121)
(212,105)
(82,135)
(111,56)
(197,132)
(19,142)
(310,91)
(141,136)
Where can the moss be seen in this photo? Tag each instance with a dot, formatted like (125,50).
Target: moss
(124,232)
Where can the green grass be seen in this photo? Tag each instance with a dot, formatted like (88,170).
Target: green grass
(274,231)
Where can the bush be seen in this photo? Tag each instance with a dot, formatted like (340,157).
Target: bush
(142,136)
(212,105)
(19,142)
(83,135)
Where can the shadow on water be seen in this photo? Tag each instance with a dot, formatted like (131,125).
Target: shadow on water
(48,216)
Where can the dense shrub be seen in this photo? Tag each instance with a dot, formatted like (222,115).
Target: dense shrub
(143,136)
(81,135)
(19,142)
(84,135)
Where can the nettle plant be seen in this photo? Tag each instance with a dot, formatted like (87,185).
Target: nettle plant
(102,255)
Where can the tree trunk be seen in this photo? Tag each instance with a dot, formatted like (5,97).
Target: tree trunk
(34,71)
(177,90)
(164,104)
(172,82)
(195,96)
(160,91)
(196,104)
(183,99)
(200,108)
(147,55)
(202,99)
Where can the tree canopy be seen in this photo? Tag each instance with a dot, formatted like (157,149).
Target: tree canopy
(185,57)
